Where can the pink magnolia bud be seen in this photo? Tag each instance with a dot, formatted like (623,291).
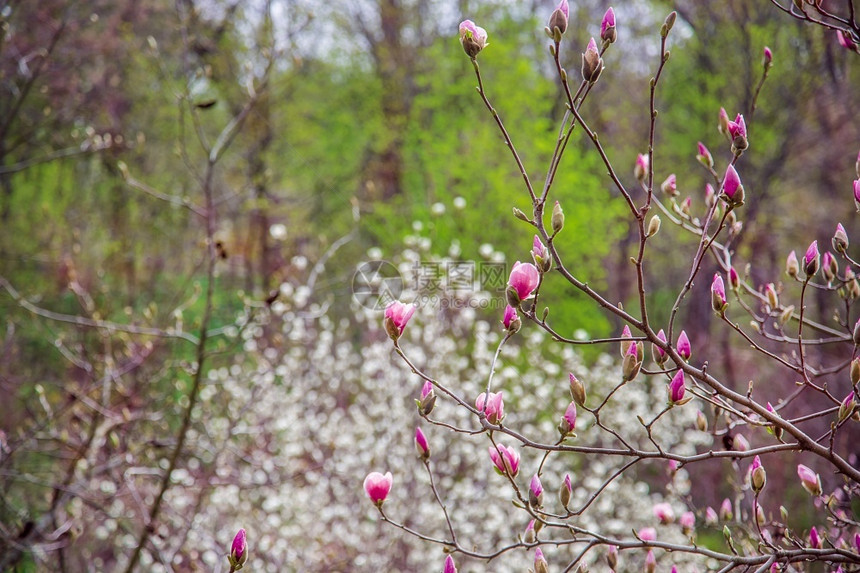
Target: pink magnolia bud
(625,344)
(810,480)
(670,186)
(688,522)
(664,513)
(541,565)
(495,406)
(577,390)
(829,267)
(523,281)
(397,315)
(377,486)
(658,354)
(811,260)
(772,297)
(592,63)
(565,492)
(758,477)
(701,421)
(557,219)
(792,267)
(640,169)
(541,256)
(857,194)
(238,551)
(683,346)
(844,40)
(846,408)
(740,443)
(631,363)
(559,18)
(650,562)
(723,125)
(535,492)
(506,460)
(738,133)
(529,535)
(428,399)
(676,388)
(734,279)
(733,190)
(607,27)
(814,539)
(711,516)
(449,565)
(473,38)
(612,556)
(704,156)
(718,294)
(421,445)
(857,542)
(511,321)
(647,534)
(726,510)
(710,195)
(840,239)
(568,420)
(768,58)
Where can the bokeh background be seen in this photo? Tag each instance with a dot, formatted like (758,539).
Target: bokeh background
(361,138)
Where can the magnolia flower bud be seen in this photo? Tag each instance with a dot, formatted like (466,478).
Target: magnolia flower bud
(612,556)
(449,565)
(846,408)
(238,551)
(473,38)
(855,371)
(718,294)
(630,364)
(428,399)
(733,190)
(683,346)
(529,535)
(557,218)
(397,315)
(559,18)
(704,156)
(535,492)
(738,133)
(701,421)
(857,193)
(668,23)
(792,267)
(840,239)
(670,186)
(421,445)
(723,125)
(568,421)
(640,169)
(653,226)
(592,63)
(565,492)
(811,260)
(607,27)
(658,354)
(772,297)
(767,61)
(687,522)
(541,565)
(676,388)
(810,480)
(758,477)
(577,390)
